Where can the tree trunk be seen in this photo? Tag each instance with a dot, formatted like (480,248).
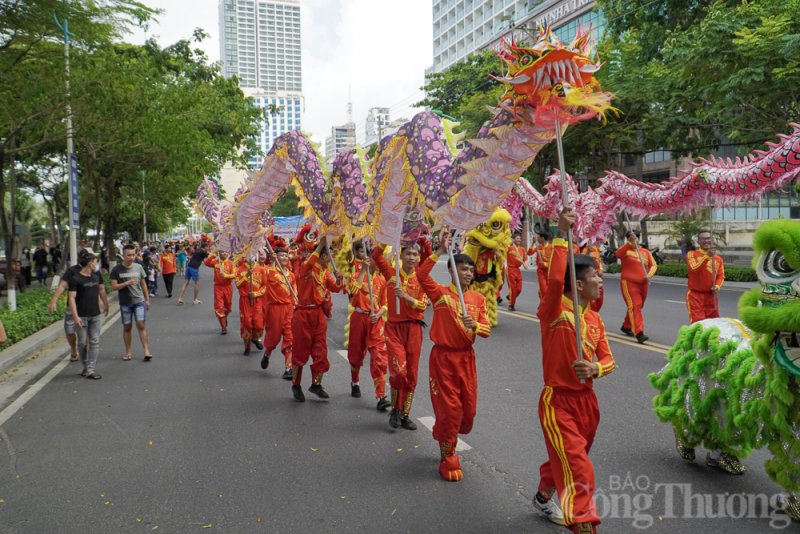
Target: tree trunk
(10,234)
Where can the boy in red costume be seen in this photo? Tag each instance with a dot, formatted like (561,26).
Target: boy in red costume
(309,327)
(568,409)
(250,281)
(515,259)
(703,288)
(366,330)
(453,376)
(224,275)
(634,282)
(279,307)
(543,251)
(403,331)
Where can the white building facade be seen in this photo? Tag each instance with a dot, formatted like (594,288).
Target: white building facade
(260,44)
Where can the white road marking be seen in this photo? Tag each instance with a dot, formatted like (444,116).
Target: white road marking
(12,408)
(428,423)
(676,301)
(343,354)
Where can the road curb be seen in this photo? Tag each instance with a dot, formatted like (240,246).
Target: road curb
(18,352)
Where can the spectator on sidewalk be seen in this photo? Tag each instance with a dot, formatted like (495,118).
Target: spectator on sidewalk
(25,260)
(134,300)
(167,266)
(86,289)
(55,257)
(40,262)
(69,319)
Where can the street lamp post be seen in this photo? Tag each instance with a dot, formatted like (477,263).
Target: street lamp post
(71,165)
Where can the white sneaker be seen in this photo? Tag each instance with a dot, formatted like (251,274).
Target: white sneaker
(551,510)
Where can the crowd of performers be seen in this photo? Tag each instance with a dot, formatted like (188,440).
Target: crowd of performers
(285,298)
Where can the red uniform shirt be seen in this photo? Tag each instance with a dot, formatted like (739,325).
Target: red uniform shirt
(632,267)
(558,330)
(243,280)
(313,282)
(224,275)
(360,292)
(594,252)
(514,261)
(543,253)
(409,283)
(448,328)
(166,264)
(278,291)
(700,278)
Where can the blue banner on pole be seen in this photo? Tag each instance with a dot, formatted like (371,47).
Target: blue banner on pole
(288,227)
(75,216)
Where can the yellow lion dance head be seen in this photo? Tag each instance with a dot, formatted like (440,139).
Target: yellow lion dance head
(488,246)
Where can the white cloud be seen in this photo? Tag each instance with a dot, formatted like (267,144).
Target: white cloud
(380,47)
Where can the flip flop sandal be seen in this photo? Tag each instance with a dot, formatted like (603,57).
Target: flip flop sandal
(93,376)
(75,359)
(197,302)
(126,358)
(181,303)
(148,357)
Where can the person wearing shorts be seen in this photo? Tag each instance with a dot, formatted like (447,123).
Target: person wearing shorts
(193,273)
(134,300)
(181,259)
(69,320)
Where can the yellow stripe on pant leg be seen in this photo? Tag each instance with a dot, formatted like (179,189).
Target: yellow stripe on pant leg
(629,302)
(557,442)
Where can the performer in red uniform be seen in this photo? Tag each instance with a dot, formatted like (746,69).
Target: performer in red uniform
(250,281)
(703,288)
(568,409)
(367,330)
(515,259)
(280,307)
(403,331)
(543,250)
(309,326)
(594,252)
(453,376)
(634,284)
(224,275)
(305,242)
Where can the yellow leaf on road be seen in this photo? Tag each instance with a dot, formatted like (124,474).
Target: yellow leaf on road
(207,526)
(219,495)
(508,390)
(138,520)
(399,450)
(155,527)
(393,511)
(416,446)
(315,450)
(260,519)
(149,442)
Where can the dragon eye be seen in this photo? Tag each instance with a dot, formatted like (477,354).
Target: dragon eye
(526,60)
(776,266)
(496,225)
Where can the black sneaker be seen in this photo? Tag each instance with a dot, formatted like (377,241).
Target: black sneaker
(627,331)
(287,374)
(224,331)
(383,404)
(319,392)
(408,424)
(246,352)
(265,361)
(641,338)
(258,344)
(297,391)
(499,300)
(511,308)
(394,419)
(355,391)
(169,296)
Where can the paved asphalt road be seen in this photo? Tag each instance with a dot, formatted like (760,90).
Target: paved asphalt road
(202,437)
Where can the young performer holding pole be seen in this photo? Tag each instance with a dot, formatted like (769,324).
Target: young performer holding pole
(403,330)
(516,258)
(368,289)
(281,297)
(638,268)
(568,409)
(459,315)
(250,282)
(224,275)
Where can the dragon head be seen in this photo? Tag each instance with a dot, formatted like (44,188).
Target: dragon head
(550,72)
(495,233)
(774,308)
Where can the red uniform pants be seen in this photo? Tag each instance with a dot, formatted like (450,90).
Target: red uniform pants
(310,331)
(251,320)
(541,276)
(403,344)
(277,324)
(569,421)
(634,295)
(366,336)
(223,302)
(700,305)
(454,392)
(514,285)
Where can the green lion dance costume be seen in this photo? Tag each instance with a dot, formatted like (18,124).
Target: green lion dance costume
(733,386)
(488,245)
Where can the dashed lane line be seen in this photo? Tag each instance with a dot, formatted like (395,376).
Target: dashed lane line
(343,354)
(661,349)
(428,422)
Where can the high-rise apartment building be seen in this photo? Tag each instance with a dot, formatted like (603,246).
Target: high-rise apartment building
(376,125)
(260,44)
(342,138)
(460,27)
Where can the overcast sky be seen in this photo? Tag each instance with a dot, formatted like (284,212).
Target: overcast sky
(379,47)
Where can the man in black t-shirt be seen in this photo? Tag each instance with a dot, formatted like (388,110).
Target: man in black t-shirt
(40,261)
(193,273)
(86,289)
(69,320)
